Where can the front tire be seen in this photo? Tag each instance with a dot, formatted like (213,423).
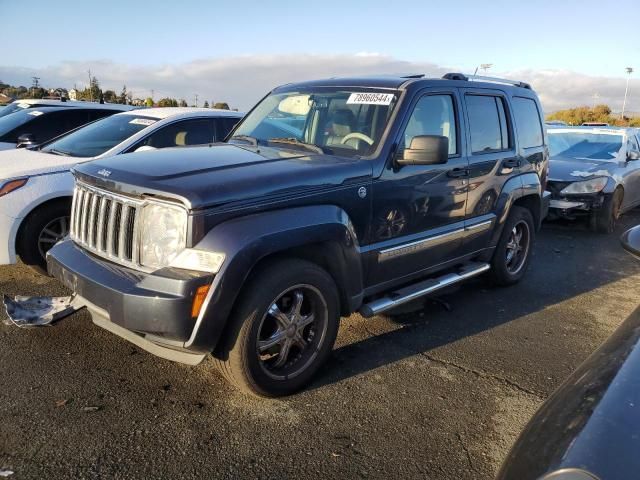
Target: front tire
(282,329)
(605,219)
(513,252)
(40,231)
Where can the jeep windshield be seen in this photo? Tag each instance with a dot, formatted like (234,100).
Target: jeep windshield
(98,137)
(585,145)
(342,122)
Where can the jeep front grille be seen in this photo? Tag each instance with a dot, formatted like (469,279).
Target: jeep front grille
(106,224)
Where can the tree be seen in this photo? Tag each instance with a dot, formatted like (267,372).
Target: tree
(110,96)
(123,97)
(148,102)
(182,103)
(205,104)
(580,115)
(167,102)
(221,105)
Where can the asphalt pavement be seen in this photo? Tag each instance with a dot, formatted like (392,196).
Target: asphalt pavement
(437,391)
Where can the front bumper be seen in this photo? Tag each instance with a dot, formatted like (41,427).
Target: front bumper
(138,306)
(8,231)
(572,207)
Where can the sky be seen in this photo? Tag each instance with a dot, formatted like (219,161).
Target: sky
(573,52)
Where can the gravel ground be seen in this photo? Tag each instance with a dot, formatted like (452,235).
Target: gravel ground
(426,393)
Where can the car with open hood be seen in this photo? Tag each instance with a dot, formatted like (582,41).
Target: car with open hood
(36,185)
(594,173)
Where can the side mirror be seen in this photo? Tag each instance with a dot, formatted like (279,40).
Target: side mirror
(633,155)
(145,148)
(426,150)
(26,140)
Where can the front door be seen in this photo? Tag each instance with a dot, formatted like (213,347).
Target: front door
(418,210)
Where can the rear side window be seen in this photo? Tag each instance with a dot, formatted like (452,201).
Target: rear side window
(525,112)
(487,123)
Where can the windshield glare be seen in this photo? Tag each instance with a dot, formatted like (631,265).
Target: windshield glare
(342,122)
(585,145)
(98,137)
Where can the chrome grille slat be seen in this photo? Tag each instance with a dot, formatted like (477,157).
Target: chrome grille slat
(106,224)
(73,209)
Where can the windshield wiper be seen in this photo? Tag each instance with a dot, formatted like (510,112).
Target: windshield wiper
(59,152)
(246,138)
(295,141)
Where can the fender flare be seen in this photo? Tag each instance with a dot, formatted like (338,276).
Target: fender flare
(527,184)
(247,240)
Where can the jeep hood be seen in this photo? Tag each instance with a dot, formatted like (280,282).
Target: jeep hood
(21,162)
(223,174)
(566,169)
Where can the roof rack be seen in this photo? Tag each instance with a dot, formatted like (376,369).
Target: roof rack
(413,75)
(479,78)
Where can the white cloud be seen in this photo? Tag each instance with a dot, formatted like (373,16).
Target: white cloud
(242,80)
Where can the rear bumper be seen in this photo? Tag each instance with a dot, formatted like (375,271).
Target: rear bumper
(137,306)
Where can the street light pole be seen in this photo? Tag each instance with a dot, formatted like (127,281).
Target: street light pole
(626,91)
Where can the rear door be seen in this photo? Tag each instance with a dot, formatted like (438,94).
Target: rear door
(493,159)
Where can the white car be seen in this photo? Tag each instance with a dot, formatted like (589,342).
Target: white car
(36,186)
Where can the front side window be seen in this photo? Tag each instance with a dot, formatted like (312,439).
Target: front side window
(327,120)
(433,115)
(584,145)
(100,136)
(487,123)
(527,117)
(180,134)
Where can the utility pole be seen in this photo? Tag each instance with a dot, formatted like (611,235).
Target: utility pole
(595,97)
(629,71)
(196,95)
(35,84)
(153,95)
(90,86)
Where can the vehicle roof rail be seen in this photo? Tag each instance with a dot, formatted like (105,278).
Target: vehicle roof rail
(480,78)
(413,75)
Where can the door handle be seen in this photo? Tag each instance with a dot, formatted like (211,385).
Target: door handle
(511,163)
(458,172)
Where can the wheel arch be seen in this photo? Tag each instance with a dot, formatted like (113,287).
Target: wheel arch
(37,207)
(321,234)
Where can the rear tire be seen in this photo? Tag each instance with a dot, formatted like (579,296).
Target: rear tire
(282,329)
(513,252)
(605,219)
(40,231)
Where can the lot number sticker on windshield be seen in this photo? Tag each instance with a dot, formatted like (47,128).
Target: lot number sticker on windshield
(142,121)
(23,105)
(370,99)
(36,113)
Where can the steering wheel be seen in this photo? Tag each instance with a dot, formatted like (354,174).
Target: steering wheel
(356,135)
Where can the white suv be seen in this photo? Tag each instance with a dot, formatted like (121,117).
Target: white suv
(36,186)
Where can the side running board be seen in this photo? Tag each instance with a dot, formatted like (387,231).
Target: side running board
(422,288)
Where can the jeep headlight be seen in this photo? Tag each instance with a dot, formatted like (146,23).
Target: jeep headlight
(163,234)
(594,185)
